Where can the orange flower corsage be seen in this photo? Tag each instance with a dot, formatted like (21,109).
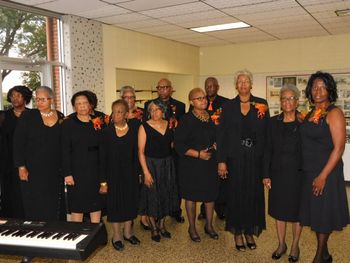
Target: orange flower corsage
(173,123)
(138,114)
(317,115)
(261,108)
(97,122)
(216,116)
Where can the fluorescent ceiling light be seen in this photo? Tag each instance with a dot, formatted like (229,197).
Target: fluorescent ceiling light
(220,27)
(344,12)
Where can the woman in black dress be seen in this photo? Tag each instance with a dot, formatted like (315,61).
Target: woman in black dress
(11,199)
(80,156)
(159,195)
(282,171)
(119,163)
(37,151)
(135,115)
(324,204)
(241,143)
(198,179)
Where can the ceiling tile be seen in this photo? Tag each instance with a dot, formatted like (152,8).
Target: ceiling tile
(236,3)
(33,2)
(178,10)
(143,5)
(123,18)
(105,11)
(72,7)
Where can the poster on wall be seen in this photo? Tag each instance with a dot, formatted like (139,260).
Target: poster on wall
(275,83)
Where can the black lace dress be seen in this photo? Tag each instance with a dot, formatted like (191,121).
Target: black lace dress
(161,199)
(328,211)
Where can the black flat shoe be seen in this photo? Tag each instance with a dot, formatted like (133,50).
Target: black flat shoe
(276,255)
(145,227)
(118,245)
(241,248)
(165,233)
(212,234)
(132,240)
(194,238)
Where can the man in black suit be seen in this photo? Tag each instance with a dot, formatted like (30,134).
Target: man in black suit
(215,103)
(174,110)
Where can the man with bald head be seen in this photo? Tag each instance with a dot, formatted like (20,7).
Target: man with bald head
(174,110)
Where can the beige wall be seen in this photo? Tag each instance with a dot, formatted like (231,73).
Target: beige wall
(295,56)
(124,49)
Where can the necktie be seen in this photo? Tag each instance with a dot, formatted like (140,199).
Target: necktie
(210,107)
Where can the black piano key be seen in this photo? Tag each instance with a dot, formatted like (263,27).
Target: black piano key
(24,232)
(15,234)
(49,234)
(59,235)
(33,234)
(9,232)
(67,237)
(76,236)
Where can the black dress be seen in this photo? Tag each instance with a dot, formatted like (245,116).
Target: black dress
(80,155)
(161,199)
(241,144)
(37,147)
(198,179)
(120,169)
(328,211)
(11,199)
(283,167)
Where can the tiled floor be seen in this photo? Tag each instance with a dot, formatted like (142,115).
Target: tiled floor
(181,249)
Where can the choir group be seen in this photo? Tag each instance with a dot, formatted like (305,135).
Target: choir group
(143,162)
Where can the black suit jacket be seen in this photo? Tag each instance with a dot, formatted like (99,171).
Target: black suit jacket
(274,146)
(174,108)
(229,131)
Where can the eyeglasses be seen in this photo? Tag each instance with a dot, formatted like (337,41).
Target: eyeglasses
(289,99)
(154,110)
(163,87)
(128,97)
(200,98)
(42,99)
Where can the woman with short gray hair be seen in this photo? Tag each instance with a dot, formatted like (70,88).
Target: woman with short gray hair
(282,171)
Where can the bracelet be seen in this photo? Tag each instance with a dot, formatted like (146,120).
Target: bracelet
(199,154)
(103,184)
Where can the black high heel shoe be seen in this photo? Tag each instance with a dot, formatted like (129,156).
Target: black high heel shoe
(277,255)
(242,247)
(193,237)
(165,233)
(155,235)
(292,258)
(250,245)
(212,234)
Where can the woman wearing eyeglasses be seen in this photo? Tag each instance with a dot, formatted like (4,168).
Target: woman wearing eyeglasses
(37,148)
(282,168)
(241,143)
(198,179)
(127,93)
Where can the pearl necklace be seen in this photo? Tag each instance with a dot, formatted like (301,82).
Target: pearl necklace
(121,128)
(202,118)
(49,114)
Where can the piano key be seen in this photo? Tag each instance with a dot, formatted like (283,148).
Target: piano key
(9,232)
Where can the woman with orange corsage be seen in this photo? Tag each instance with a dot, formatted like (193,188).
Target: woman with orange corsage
(241,145)
(80,156)
(324,204)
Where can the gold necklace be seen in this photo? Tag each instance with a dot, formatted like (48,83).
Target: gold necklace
(203,118)
(121,128)
(44,114)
